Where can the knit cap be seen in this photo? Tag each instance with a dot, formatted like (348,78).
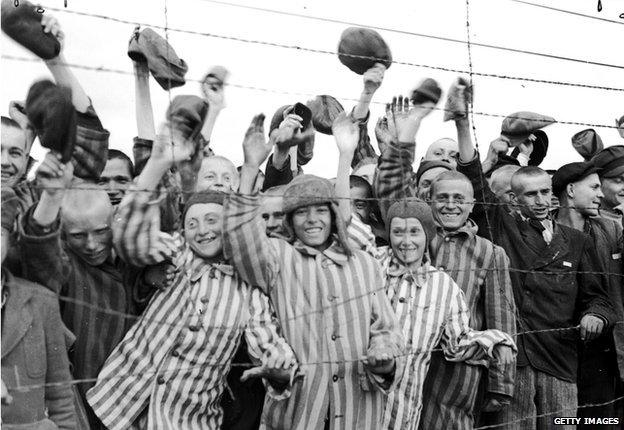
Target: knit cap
(413,208)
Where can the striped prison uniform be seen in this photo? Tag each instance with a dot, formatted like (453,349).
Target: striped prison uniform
(170,370)
(332,309)
(480,268)
(434,314)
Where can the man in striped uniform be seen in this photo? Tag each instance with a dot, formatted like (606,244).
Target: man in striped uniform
(479,268)
(169,372)
(328,299)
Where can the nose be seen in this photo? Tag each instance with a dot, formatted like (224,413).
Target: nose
(91,243)
(600,193)
(5,157)
(539,200)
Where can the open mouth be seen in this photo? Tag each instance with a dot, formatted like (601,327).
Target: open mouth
(313,230)
(7,175)
(206,240)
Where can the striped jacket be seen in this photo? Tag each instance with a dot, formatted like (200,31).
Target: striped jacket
(434,314)
(332,310)
(170,370)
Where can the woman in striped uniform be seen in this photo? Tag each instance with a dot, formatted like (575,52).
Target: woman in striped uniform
(169,372)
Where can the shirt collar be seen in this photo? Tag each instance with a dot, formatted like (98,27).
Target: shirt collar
(469,229)
(397,269)
(334,252)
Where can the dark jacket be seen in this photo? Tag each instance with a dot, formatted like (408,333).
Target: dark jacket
(34,354)
(554,285)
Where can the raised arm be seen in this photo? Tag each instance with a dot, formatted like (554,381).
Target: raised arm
(213,91)
(345,132)
(373,79)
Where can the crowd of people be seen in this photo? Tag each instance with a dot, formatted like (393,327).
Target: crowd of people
(175,290)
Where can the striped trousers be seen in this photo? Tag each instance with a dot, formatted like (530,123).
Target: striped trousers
(537,393)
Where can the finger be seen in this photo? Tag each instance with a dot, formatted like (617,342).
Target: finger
(258,121)
(256,372)
(394,104)
(583,332)
(388,108)
(400,106)
(406,104)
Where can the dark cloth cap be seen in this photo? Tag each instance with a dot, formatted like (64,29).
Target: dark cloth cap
(413,208)
(204,197)
(10,207)
(187,113)
(611,161)
(427,90)
(540,148)
(571,172)
(50,111)
(162,60)
(23,24)
(363,42)
(518,126)
(307,190)
(587,143)
(325,109)
(297,109)
(430,164)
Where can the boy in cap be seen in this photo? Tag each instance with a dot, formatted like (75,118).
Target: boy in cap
(611,163)
(327,300)
(557,288)
(477,266)
(33,347)
(175,359)
(601,361)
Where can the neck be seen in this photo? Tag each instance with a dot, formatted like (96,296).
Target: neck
(570,217)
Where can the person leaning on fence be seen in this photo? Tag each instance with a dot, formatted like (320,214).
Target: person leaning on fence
(33,347)
(557,288)
(186,339)
(419,293)
(65,243)
(327,298)
(601,361)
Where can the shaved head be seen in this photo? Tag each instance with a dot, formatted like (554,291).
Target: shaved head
(85,202)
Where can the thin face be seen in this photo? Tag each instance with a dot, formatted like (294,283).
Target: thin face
(408,240)
(367,172)
(203,229)
(89,234)
(312,225)
(272,214)
(360,204)
(443,150)
(613,189)
(534,196)
(115,179)
(501,187)
(586,195)
(14,156)
(424,184)
(217,174)
(452,202)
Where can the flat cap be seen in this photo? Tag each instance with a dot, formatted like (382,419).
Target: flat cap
(587,143)
(611,161)
(518,126)
(571,172)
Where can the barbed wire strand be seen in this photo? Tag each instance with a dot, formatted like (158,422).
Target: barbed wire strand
(293,93)
(327,52)
(569,12)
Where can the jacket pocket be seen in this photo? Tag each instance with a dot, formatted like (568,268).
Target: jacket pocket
(35,352)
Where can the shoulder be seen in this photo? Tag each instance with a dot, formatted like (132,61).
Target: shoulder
(573,235)
(39,294)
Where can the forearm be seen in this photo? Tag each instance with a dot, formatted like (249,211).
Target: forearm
(152,174)
(394,175)
(48,208)
(466,147)
(209,123)
(361,110)
(64,76)
(247,179)
(143,103)
(274,176)
(343,192)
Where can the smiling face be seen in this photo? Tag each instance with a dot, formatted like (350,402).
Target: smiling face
(424,183)
(218,174)
(14,155)
(408,240)
(312,225)
(203,229)
(585,195)
(613,189)
(115,179)
(452,202)
(443,150)
(533,194)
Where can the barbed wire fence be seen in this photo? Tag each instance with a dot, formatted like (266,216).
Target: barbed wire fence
(472,113)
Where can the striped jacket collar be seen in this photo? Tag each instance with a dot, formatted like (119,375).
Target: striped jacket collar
(419,277)
(334,252)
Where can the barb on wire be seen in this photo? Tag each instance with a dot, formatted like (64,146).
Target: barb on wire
(570,12)
(320,51)
(293,93)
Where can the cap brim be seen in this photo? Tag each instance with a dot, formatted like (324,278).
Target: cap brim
(614,172)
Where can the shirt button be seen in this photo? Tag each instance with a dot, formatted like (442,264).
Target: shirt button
(333,337)
(193,328)
(402,299)
(204,300)
(160,380)
(175,353)
(441,267)
(335,378)
(447,239)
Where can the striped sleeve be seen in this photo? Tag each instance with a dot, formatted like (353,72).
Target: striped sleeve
(385,335)
(460,342)
(245,243)
(361,237)
(500,311)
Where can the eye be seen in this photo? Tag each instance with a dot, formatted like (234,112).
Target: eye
(101,231)
(191,224)
(78,236)
(265,217)
(15,153)
(300,212)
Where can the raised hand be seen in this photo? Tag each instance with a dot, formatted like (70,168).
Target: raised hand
(213,90)
(289,129)
(53,176)
(171,145)
(256,149)
(346,132)
(373,78)
(51,25)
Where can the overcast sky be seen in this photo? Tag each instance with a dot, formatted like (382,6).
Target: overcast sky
(97,42)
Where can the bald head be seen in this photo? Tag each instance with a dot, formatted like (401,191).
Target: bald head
(86,218)
(500,182)
(217,173)
(445,149)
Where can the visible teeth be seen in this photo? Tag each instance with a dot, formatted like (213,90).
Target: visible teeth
(313,230)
